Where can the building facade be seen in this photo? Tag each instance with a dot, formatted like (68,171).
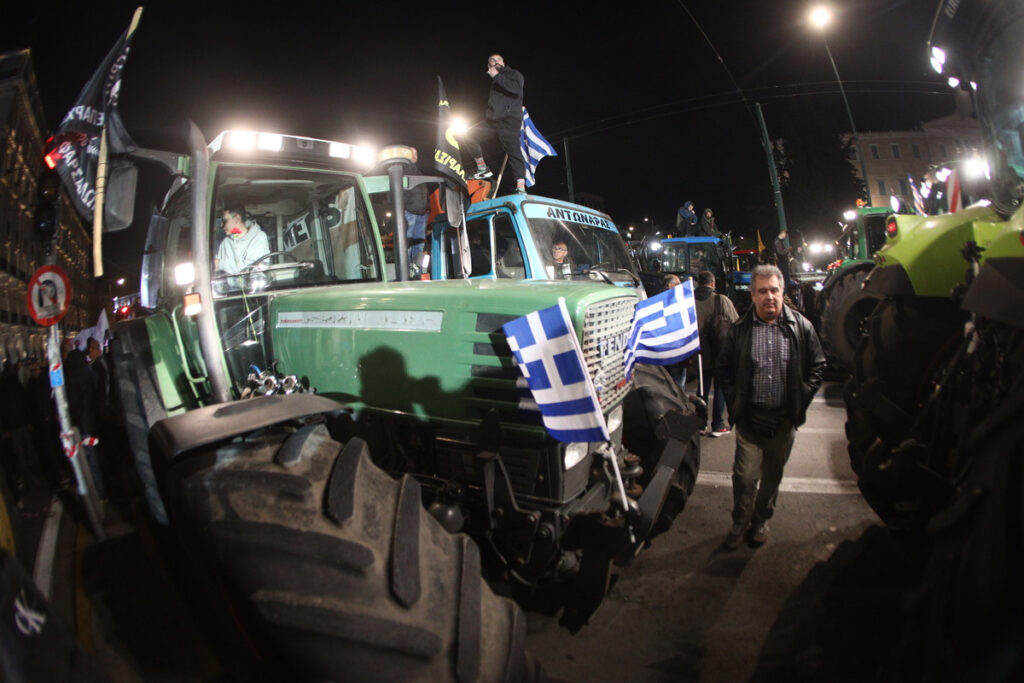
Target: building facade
(890,157)
(22,136)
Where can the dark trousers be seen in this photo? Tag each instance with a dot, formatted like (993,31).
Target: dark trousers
(718,410)
(507,132)
(757,472)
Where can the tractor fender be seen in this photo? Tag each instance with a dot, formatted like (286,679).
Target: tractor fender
(886,281)
(998,291)
(180,434)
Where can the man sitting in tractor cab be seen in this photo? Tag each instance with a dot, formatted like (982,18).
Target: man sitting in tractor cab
(244,242)
(561,266)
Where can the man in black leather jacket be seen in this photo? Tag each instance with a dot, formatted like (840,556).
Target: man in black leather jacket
(770,367)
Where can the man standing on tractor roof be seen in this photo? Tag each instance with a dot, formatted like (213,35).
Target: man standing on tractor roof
(686,219)
(770,367)
(504,120)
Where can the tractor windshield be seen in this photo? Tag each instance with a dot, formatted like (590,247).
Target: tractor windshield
(1000,104)
(577,245)
(281,228)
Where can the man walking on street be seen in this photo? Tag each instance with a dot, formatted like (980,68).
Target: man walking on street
(505,119)
(770,366)
(714,311)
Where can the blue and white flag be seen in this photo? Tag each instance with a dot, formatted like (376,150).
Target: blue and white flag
(664,329)
(549,356)
(534,147)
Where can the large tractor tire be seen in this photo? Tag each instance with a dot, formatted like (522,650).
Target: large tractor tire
(334,571)
(970,601)
(908,342)
(844,310)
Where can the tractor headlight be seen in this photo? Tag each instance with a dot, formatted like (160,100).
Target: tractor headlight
(574,453)
(184,273)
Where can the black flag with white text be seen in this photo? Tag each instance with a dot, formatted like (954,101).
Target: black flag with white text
(447,158)
(75,149)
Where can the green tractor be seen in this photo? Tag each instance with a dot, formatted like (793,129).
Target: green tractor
(843,304)
(347,455)
(935,401)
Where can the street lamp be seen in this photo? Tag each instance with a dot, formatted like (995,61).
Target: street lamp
(820,17)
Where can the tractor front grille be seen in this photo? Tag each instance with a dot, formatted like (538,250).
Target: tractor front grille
(606,328)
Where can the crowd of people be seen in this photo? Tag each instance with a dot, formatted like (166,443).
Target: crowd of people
(29,425)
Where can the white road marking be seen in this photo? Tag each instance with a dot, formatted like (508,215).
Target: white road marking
(822,430)
(789,484)
(47,550)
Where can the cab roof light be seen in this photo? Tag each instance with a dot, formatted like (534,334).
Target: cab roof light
(340,150)
(363,154)
(270,142)
(241,140)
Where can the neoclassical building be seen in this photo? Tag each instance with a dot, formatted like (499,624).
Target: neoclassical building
(22,135)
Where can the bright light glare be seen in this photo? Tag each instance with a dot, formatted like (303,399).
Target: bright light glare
(240,139)
(942,174)
(820,16)
(954,82)
(808,267)
(340,150)
(184,274)
(363,154)
(816,248)
(938,59)
(459,125)
(655,246)
(849,214)
(270,142)
(894,203)
(975,168)
(120,281)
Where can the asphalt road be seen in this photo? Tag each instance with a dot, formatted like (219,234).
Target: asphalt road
(819,601)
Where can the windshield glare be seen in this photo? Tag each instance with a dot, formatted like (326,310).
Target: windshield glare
(279,228)
(577,251)
(1000,104)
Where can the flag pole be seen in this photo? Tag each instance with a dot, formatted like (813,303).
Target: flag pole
(497,183)
(97,210)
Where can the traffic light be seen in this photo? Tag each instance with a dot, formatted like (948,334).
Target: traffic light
(47,193)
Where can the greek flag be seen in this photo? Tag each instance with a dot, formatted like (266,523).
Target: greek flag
(534,147)
(549,356)
(664,329)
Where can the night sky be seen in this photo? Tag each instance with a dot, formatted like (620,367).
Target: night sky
(652,116)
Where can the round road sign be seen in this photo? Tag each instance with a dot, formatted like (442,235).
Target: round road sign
(49,295)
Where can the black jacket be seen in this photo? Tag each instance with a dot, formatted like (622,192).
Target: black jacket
(417,199)
(506,98)
(735,370)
